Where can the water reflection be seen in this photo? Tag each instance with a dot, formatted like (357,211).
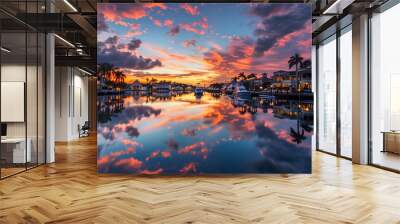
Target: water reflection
(212,133)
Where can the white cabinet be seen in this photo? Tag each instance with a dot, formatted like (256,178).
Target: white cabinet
(19,155)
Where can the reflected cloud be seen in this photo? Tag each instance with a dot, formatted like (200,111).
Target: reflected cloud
(129,163)
(206,130)
(189,168)
(172,144)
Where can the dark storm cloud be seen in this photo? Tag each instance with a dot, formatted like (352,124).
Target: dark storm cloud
(126,59)
(139,112)
(132,131)
(122,121)
(172,144)
(112,40)
(174,30)
(134,44)
(281,156)
(101,23)
(107,52)
(277,23)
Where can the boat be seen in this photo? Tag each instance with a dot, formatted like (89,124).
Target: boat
(242,92)
(228,90)
(238,102)
(198,91)
(266,95)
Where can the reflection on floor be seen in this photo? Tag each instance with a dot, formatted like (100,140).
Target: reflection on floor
(10,171)
(70,191)
(387,159)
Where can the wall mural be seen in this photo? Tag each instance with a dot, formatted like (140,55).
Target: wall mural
(204,88)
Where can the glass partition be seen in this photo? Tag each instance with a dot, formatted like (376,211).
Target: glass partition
(22,88)
(327,95)
(346,92)
(385,89)
(13,94)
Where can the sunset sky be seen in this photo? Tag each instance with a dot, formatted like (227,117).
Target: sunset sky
(201,43)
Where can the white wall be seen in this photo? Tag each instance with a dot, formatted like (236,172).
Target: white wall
(33,127)
(71,102)
(314,88)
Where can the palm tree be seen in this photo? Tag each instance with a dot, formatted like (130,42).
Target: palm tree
(306,64)
(297,61)
(242,76)
(298,136)
(251,76)
(103,69)
(119,77)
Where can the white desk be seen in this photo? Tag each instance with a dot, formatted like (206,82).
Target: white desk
(19,153)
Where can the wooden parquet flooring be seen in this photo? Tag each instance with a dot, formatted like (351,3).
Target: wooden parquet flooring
(70,191)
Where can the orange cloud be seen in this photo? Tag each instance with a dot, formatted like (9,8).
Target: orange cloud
(118,12)
(152,172)
(103,160)
(168,22)
(191,28)
(153,155)
(131,34)
(190,148)
(197,27)
(191,167)
(166,154)
(130,163)
(192,10)
(156,22)
(202,23)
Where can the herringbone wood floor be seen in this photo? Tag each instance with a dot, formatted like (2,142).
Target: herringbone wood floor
(70,191)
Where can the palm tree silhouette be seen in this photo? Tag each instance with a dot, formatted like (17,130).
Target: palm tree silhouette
(298,136)
(106,72)
(242,76)
(119,78)
(306,64)
(297,61)
(251,76)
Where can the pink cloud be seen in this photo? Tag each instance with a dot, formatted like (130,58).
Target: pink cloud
(153,155)
(197,27)
(192,10)
(117,12)
(114,155)
(189,43)
(166,154)
(156,22)
(130,163)
(190,148)
(130,34)
(191,28)
(103,160)
(152,172)
(202,23)
(135,26)
(190,167)
(168,22)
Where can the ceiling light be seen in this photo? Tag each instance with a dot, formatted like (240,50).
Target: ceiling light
(86,72)
(70,5)
(5,50)
(64,40)
(337,7)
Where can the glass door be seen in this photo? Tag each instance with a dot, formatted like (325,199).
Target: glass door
(345,92)
(327,96)
(385,89)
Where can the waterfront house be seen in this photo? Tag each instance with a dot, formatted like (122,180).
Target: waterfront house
(162,86)
(136,86)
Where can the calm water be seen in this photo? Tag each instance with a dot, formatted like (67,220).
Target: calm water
(183,135)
